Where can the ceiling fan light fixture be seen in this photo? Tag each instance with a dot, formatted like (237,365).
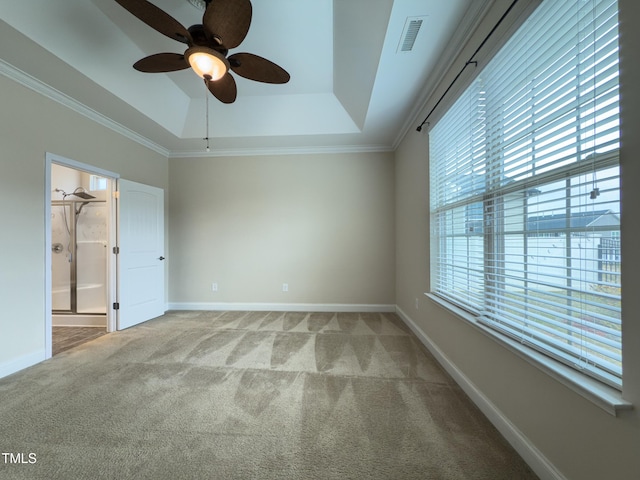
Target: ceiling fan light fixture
(225,24)
(207,62)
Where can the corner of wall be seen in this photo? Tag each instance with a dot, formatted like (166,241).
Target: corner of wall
(527,450)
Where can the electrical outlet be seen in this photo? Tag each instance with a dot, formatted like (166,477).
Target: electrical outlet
(214,287)
(285,287)
(417,304)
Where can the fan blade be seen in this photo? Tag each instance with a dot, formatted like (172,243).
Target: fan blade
(161,62)
(256,68)
(228,20)
(224,89)
(157,19)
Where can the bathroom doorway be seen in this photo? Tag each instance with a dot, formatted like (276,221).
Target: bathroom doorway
(81,229)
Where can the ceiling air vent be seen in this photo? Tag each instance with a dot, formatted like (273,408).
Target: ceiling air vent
(410,33)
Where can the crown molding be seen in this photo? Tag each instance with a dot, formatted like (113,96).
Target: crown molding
(38,86)
(310,150)
(42,88)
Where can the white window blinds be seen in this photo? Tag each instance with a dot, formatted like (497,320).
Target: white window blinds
(524,190)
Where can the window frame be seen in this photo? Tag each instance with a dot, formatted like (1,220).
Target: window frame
(463,310)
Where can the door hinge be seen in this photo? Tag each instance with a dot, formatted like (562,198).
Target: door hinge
(116,250)
(116,305)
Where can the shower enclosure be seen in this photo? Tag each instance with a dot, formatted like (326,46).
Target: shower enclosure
(78,259)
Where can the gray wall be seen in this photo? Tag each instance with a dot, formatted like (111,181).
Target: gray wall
(324,224)
(580,440)
(30,126)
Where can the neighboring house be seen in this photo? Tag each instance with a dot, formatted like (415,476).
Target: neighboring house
(556,224)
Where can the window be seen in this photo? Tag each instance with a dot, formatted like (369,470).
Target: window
(97,183)
(524,190)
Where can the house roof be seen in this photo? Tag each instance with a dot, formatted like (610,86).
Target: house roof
(550,223)
(578,220)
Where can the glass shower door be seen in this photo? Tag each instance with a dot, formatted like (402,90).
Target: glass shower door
(60,258)
(91,258)
(79,257)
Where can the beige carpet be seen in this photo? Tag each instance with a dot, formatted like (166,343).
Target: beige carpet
(248,395)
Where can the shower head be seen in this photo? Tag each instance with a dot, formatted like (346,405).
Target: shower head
(79,192)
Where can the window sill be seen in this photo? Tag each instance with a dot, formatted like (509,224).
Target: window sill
(605,397)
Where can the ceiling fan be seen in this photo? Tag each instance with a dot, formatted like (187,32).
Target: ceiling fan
(225,24)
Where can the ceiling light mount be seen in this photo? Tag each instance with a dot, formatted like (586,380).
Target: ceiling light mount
(199,4)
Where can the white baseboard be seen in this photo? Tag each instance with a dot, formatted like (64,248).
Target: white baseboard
(63,320)
(527,450)
(21,363)
(283,307)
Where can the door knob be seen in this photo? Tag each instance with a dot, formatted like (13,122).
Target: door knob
(161,258)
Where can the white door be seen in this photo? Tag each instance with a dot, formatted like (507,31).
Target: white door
(140,263)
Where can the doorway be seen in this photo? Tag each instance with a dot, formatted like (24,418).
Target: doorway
(81,233)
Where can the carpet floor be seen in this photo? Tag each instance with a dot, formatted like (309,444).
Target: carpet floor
(248,395)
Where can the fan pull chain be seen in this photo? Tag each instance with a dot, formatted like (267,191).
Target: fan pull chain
(206,99)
